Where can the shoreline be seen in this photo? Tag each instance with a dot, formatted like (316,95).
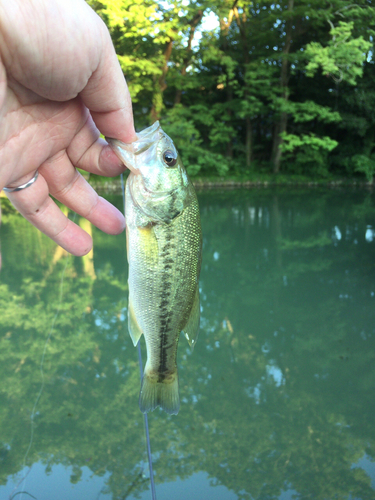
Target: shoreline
(114,187)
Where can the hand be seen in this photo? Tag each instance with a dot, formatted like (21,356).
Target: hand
(60,84)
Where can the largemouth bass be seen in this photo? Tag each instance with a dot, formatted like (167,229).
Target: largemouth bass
(164,246)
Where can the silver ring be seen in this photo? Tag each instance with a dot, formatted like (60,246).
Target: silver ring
(23,186)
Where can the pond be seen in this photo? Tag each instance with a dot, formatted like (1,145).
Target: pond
(277,398)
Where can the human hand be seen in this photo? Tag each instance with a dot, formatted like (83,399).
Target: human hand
(60,84)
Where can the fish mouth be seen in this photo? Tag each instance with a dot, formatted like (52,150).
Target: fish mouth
(160,194)
(129,152)
(119,148)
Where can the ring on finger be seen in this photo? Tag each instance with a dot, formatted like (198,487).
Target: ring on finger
(23,186)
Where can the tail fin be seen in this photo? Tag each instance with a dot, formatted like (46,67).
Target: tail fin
(163,394)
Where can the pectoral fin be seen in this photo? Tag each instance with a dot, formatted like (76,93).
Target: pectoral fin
(191,329)
(135,331)
(149,244)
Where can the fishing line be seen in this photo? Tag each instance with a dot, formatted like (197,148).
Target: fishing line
(145,419)
(33,412)
(149,456)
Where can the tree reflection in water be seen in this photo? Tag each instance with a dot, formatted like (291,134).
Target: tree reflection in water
(278,393)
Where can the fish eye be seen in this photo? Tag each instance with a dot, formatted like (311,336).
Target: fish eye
(169,158)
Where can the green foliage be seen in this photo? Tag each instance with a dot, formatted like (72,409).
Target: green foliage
(259,90)
(365,165)
(292,142)
(237,95)
(307,153)
(307,111)
(343,57)
(181,124)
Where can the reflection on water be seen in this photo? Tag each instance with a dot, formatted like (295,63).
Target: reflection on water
(277,397)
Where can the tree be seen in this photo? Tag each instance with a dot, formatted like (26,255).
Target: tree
(264,90)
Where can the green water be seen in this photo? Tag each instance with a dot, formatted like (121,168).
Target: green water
(277,399)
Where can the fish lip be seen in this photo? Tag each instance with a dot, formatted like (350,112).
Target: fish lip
(144,140)
(116,143)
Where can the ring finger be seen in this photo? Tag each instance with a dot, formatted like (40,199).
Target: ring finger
(59,178)
(35,204)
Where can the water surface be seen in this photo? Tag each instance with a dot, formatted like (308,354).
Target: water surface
(277,399)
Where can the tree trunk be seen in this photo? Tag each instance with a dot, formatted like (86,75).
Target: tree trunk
(281,126)
(229,152)
(224,30)
(193,24)
(160,84)
(241,23)
(276,150)
(249,142)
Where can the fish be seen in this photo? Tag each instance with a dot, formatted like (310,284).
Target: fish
(164,252)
